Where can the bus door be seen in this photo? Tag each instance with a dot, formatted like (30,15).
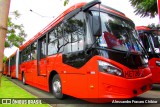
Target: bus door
(42,60)
(42,63)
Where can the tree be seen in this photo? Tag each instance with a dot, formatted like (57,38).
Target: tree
(66,2)
(4,59)
(15,34)
(145,8)
(4,10)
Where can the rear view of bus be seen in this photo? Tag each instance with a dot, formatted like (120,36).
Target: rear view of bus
(151,42)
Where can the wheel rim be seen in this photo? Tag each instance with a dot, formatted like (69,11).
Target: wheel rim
(57,86)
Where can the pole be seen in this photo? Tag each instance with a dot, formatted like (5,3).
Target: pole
(4,10)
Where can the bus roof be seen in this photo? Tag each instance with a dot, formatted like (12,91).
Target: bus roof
(12,55)
(62,16)
(142,28)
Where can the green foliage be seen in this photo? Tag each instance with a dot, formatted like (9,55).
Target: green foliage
(17,15)
(15,34)
(4,59)
(66,2)
(145,8)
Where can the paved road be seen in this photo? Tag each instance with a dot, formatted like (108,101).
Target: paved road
(68,102)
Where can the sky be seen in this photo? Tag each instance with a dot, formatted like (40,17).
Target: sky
(43,12)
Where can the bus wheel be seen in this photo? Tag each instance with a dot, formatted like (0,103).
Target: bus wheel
(23,79)
(57,87)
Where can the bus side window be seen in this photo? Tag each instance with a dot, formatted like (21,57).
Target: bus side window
(74,31)
(24,56)
(52,43)
(34,51)
(43,47)
(28,52)
(67,41)
(55,40)
(59,35)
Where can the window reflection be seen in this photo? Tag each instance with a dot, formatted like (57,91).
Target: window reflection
(34,51)
(43,47)
(118,34)
(74,34)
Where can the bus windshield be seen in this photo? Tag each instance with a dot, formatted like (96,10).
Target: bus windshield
(150,41)
(155,41)
(118,34)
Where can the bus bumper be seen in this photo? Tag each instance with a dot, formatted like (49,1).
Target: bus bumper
(118,87)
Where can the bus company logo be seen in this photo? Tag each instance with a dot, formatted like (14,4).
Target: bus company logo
(6,101)
(134,74)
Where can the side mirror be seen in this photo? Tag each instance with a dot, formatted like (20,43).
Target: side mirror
(96,26)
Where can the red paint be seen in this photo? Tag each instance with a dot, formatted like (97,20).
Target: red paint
(142,28)
(155,70)
(87,82)
(152,62)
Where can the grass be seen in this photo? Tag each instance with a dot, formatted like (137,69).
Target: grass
(10,90)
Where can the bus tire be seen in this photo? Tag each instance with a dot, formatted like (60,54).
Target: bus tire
(23,79)
(57,87)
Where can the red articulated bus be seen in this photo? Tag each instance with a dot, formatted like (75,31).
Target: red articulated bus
(88,52)
(12,65)
(151,42)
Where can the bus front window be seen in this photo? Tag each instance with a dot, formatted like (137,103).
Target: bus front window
(145,41)
(118,34)
(155,43)
(150,41)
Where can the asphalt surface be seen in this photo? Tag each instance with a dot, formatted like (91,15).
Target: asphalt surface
(74,102)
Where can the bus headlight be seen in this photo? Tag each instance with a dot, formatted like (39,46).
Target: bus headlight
(158,63)
(109,68)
